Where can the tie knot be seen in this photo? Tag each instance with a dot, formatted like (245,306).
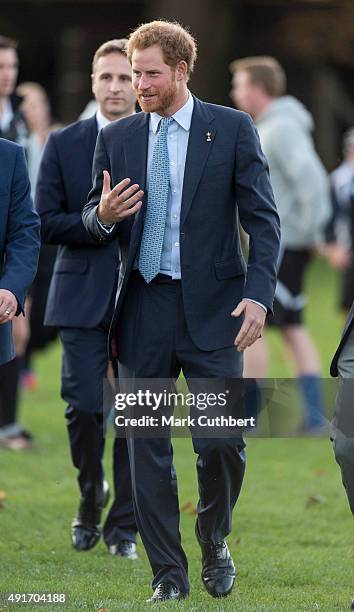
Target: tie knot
(165,122)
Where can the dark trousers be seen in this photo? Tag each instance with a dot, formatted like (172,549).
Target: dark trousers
(9,383)
(154,342)
(84,367)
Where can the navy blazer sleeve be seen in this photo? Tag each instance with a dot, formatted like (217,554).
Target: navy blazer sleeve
(258,215)
(89,213)
(58,225)
(22,235)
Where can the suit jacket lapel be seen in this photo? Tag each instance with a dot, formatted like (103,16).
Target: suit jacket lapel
(135,151)
(90,137)
(199,147)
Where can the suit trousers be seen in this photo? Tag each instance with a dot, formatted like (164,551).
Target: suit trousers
(154,342)
(84,366)
(343,421)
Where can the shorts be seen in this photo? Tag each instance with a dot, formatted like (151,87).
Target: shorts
(289,299)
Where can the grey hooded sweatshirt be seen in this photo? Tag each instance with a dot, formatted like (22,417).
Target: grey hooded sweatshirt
(299,180)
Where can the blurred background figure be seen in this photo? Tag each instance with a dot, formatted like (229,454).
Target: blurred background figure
(340,231)
(35,107)
(301,191)
(12,123)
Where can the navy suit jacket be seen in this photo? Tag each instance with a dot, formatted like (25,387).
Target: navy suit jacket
(84,273)
(19,234)
(226,176)
(347,329)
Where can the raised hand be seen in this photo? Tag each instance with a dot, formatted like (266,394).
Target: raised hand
(120,202)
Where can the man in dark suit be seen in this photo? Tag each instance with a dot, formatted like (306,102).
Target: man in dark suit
(80,303)
(12,127)
(19,241)
(343,423)
(19,245)
(342,434)
(182,293)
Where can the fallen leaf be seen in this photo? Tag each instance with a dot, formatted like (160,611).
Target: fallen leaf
(314,499)
(2,498)
(189,508)
(186,506)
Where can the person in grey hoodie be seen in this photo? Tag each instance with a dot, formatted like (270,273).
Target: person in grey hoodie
(302,195)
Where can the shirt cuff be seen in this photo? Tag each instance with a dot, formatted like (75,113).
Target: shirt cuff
(259,304)
(107,229)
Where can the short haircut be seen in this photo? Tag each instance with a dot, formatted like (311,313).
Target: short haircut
(175,41)
(117,45)
(8,43)
(265,71)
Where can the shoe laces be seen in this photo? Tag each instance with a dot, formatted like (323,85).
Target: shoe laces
(216,550)
(164,588)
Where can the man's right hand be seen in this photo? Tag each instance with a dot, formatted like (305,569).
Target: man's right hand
(118,203)
(8,306)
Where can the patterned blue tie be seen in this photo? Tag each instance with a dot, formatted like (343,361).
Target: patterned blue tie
(155,218)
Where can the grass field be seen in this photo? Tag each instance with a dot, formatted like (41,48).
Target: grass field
(292,540)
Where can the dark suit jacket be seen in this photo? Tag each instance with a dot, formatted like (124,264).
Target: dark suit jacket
(84,273)
(19,234)
(218,174)
(346,331)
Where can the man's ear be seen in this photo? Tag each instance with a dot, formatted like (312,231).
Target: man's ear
(92,82)
(181,70)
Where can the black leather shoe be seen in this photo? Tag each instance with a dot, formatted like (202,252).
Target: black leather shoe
(124,549)
(218,570)
(85,528)
(165,591)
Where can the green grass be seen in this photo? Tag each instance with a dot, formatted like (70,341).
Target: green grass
(292,540)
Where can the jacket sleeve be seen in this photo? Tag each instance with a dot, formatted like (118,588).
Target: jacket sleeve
(22,235)
(58,225)
(258,215)
(89,213)
(307,179)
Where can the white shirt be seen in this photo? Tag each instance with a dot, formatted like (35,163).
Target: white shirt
(102,121)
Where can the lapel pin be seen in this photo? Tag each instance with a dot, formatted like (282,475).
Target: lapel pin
(208,136)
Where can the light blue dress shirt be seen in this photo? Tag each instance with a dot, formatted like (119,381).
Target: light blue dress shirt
(177,143)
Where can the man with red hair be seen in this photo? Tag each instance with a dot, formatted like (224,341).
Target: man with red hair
(182,169)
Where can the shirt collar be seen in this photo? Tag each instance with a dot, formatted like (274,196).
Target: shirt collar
(183,116)
(102,121)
